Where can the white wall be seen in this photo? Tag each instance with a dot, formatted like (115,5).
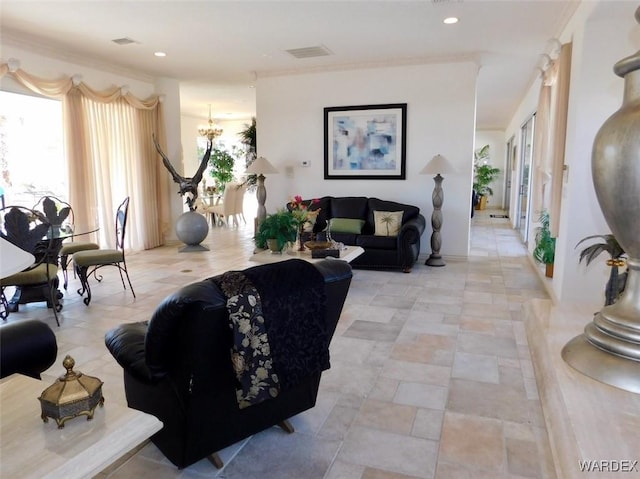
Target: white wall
(609,35)
(440,120)
(498,159)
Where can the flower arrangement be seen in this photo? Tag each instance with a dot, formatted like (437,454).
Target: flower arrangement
(300,210)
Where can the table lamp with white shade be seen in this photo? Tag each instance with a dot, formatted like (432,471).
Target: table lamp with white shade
(437,165)
(260,167)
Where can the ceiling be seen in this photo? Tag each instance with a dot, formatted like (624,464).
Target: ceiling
(217,49)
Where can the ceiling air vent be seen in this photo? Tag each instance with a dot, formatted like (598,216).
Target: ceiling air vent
(124,41)
(309,52)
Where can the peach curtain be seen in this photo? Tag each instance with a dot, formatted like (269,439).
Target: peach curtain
(561,106)
(550,138)
(107,139)
(542,173)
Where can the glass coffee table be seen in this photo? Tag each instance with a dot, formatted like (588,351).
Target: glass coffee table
(348,254)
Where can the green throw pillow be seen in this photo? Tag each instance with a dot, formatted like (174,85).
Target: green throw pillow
(346,225)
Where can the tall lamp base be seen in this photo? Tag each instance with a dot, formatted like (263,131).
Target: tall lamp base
(436,223)
(434,260)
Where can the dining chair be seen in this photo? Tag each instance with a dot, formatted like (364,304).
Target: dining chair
(238,212)
(203,208)
(88,262)
(223,211)
(30,231)
(60,214)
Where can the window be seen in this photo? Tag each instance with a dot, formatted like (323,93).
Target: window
(32,162)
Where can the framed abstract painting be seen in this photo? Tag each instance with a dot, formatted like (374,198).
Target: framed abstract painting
(365,142)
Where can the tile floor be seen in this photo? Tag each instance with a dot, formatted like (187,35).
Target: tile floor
(431,374)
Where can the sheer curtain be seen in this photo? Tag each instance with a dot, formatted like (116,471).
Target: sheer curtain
(107,138)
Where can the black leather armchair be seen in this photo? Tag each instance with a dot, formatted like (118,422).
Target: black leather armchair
(177,366)
(27,347)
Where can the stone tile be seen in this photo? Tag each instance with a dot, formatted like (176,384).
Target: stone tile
(416,352)
(417,372)
(351,350)
(472,441)
(520,461)
(344,470)
(396,302)
(375,313)
(447,470)
(428,424)
(511,377)
(373,331)
(488,400)
(421,395)
(338,423)
(371,473)
(264,455)
(386,416)
(389,452)
(476,367)
(384,389)
(484,344)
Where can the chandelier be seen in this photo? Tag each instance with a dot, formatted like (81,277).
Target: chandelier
(210,132)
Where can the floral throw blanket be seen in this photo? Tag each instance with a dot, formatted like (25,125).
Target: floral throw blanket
(278,327)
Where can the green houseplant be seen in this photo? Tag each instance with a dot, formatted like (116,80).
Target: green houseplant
(281,227)
(616,283)
(249,139)
(221,163)
(545,250)
(484,175)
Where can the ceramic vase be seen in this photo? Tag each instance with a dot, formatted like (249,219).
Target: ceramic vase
(609,349)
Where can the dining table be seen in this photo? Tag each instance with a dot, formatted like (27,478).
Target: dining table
(56,234)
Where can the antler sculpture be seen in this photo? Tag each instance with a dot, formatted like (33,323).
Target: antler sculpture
(188,186)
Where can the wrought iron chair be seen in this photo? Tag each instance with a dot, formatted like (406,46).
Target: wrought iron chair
(31,231)
(60,215)
(88,262)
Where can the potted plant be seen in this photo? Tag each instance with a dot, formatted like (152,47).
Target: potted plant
(276,231)
(616,283)
(484,175)
(545,250)
(249,140)
(221,163)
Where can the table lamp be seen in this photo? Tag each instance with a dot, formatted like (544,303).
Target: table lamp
(437,165)
(260,167)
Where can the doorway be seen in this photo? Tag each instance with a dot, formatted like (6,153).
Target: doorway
(526,156)
(507,174)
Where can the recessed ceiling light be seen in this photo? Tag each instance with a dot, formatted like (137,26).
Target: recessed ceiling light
(450,20)
(160,54)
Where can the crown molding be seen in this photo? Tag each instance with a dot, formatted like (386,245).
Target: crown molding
(38,46)
(414,61)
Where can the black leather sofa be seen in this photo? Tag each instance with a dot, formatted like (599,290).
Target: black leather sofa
(380,252)
(27,347)
(177,366)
